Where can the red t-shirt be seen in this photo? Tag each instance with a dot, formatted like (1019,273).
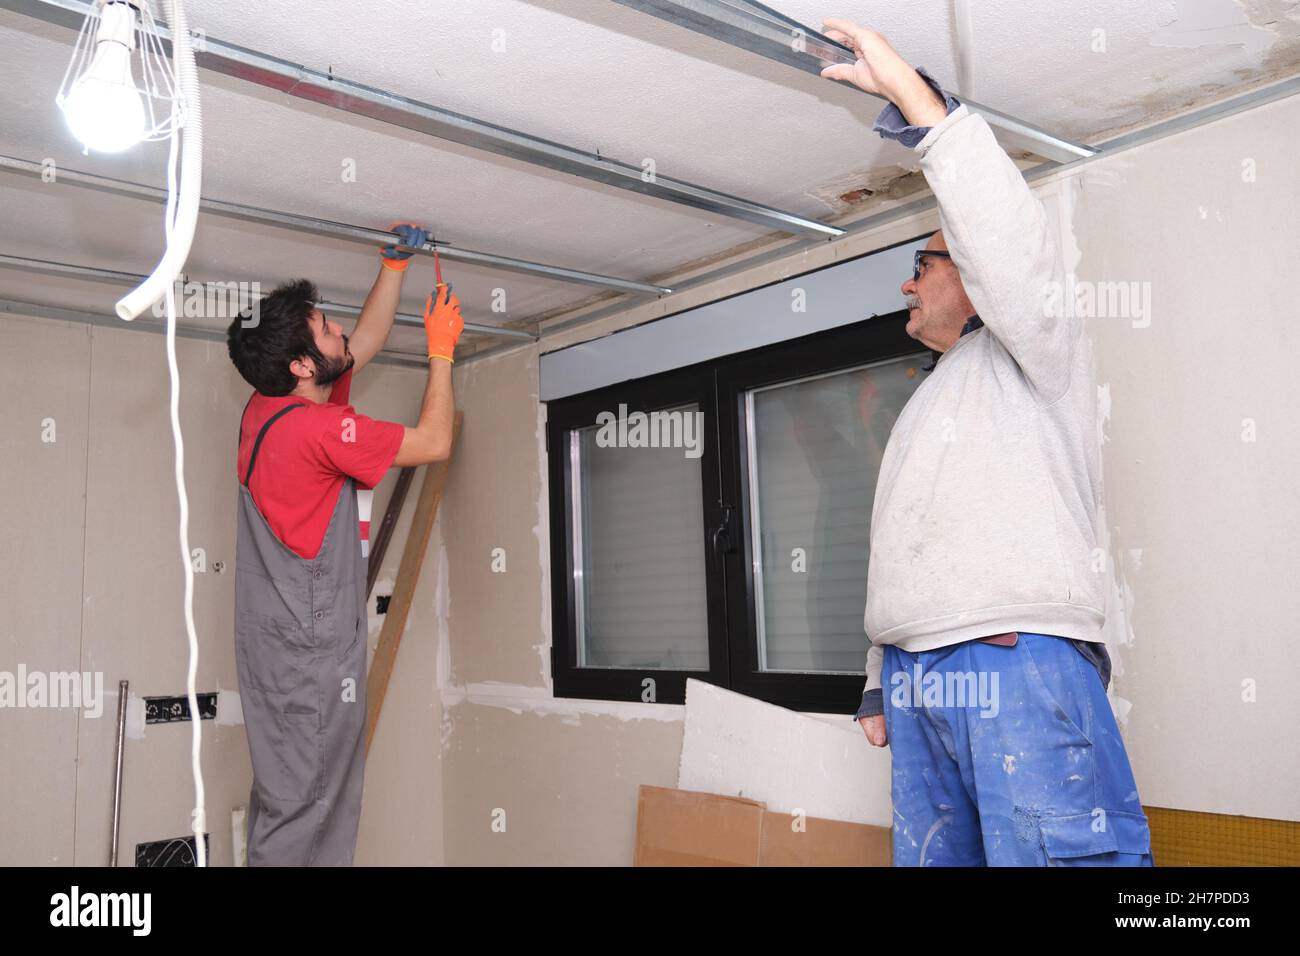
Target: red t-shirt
(305,458)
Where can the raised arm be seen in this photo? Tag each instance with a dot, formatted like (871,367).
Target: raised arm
(996,230)
(430,439)
(380,308)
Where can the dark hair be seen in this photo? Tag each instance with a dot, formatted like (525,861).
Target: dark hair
(264,339)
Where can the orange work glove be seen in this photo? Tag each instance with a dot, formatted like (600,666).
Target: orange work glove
(442,322)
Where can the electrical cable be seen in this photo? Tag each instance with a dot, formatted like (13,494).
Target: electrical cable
(171,222)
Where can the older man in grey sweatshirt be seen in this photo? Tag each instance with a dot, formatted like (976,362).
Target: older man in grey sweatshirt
(987,672)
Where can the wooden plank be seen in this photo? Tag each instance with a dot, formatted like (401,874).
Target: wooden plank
(408,574)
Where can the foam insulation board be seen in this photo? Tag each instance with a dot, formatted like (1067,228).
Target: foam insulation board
(738,746)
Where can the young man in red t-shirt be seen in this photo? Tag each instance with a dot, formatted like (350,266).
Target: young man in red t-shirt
(307,461)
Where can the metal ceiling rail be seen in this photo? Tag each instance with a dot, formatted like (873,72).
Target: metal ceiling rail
(41,311)
(337,230)
(1220,109)
(127,278)
(762,30)
(329,89)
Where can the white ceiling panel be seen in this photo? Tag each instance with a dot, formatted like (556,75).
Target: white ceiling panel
(594,75)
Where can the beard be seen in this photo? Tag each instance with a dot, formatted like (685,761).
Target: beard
(913,322)
(330,370)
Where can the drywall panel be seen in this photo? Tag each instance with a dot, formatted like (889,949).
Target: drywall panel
(527,779)
(45,367)
(494,522)
(738,746)
(528,788)
(835,296)
(103,489)
(1201,452)
(401,807)
(132,592)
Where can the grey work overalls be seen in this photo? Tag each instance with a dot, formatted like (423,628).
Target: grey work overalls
(301,658)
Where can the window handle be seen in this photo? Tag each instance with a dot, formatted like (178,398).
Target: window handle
(722,543)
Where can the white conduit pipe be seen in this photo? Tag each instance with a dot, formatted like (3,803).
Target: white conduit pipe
(179,222)
(178,249)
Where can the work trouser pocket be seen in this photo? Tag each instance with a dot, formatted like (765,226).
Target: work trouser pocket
(349,639)
(275,655)
(285,748)
(1052,672)
(279,691)
(1101,837)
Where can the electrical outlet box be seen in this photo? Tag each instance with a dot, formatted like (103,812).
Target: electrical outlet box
(169,710)
(178,851)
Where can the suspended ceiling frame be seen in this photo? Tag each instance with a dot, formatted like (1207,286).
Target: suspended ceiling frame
(336,92)
(324,227)
(131,279)
(702,16)
(760,29)
(1229,106)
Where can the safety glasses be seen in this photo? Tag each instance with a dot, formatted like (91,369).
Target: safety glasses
(921,254)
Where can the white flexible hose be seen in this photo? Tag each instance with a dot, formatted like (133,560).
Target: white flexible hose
(179,221)
(178,249)
(199,821)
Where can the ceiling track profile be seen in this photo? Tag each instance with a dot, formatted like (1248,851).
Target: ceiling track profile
(759,29)
(336,230)
(1174,125)
(90,273)
(18,308)
(331,90)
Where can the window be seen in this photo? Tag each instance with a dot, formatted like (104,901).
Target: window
(713,522)
(639,592)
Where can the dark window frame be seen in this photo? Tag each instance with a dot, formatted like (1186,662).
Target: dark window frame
(876,340)
(720,386)
(669,389)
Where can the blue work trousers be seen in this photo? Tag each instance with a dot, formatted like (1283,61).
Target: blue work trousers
(1008,756)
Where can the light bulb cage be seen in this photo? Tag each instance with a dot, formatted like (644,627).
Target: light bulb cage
(152,73)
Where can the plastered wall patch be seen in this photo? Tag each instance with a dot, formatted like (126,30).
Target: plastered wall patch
(135,717)
(230,710)
(1201,23)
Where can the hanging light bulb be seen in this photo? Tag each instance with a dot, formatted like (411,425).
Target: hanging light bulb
(104,107)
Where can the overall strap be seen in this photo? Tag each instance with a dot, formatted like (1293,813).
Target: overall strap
(252,458)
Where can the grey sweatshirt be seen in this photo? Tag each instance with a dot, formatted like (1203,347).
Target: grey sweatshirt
(986,503)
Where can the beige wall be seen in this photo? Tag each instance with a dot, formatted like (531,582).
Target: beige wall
(93,582)
(528,780)
(1204,522)
(44,512)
